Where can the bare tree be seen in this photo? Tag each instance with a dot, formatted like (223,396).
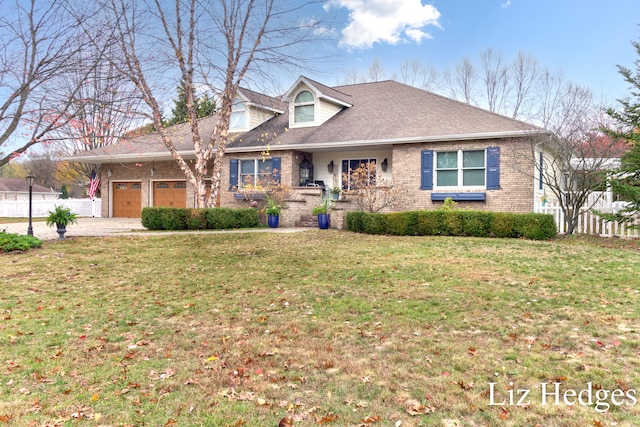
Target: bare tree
(496,80)
(369,191)
(524,73)
(40,46)
(461,84)
(352,77)
(43,166)
(106,110)
(575,155)
(218,44)
(414,73)
(376,72)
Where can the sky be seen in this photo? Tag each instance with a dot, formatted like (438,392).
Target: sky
(584,39)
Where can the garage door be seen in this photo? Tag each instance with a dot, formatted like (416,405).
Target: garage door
(170,194)
(127,199)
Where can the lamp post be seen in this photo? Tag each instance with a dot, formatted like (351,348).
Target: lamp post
(30,181)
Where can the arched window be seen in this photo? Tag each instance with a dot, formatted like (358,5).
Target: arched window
(237,120)
(304,107)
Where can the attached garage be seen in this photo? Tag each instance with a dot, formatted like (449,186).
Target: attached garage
(127,199)
(170,194)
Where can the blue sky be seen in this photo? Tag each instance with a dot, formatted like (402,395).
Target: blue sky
(585,39)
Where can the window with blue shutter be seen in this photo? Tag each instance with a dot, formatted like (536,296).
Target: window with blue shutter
(233,174)
(493,168)
(426,170)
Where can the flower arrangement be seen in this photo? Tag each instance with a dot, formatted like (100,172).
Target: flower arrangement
(324,208)
(272,208)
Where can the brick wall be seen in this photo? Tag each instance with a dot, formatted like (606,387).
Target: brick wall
(516,180)
(516,175)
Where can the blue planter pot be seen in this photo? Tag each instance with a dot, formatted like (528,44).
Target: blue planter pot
(324,220)
(273,220)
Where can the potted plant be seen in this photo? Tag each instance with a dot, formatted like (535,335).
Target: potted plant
(324,219)
(61,217)
(273,212)
(335,192)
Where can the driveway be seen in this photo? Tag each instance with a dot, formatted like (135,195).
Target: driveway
(113,227)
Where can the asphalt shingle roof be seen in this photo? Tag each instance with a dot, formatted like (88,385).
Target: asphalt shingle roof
(385,111)
(21,186)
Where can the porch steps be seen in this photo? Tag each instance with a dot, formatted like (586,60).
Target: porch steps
(307,221)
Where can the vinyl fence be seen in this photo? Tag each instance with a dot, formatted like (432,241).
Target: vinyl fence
(41,208)
(590,223)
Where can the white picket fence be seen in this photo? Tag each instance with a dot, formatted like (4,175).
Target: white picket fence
(590,223)
(41,208)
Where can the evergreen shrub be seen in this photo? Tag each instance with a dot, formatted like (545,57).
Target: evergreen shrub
(456,222)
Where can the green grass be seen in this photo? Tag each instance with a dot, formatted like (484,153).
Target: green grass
(329,328)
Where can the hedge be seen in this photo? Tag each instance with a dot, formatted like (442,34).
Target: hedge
(10,242)
(454,223)
(198,219)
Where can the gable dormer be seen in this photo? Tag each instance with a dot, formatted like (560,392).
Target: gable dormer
(312,103)
(250,109)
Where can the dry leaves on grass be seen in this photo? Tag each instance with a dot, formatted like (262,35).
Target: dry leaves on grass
(414,407)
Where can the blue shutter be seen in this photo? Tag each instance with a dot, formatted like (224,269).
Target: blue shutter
(426,170)
(276,164)
(493,168)
(233,174)
(540,184)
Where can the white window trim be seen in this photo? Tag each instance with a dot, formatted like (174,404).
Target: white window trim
(342,184)
(461,188)
(245,111)
(256,170)
(315,104)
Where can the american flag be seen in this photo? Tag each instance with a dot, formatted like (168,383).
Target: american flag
(94,184)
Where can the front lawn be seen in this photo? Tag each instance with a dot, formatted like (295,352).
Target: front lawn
(325,328)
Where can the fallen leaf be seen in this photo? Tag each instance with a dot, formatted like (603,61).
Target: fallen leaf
(285,422)
(371,419)
(331,417)
(414,408)
(503,414)
(467,386)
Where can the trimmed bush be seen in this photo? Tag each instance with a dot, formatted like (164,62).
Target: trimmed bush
(535,226)
(17,242)
(246,218)
(160,218)
(220,218)
(503,225)
(454,223)
(430,223)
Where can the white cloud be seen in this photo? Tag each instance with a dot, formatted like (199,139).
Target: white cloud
(506,4)
(385,21)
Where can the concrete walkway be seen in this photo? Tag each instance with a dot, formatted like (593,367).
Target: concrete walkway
(116,227)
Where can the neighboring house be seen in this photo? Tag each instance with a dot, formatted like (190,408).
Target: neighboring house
(432,146)
(17,189)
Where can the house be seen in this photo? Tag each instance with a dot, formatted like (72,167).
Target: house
(432,146)
(15,189)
